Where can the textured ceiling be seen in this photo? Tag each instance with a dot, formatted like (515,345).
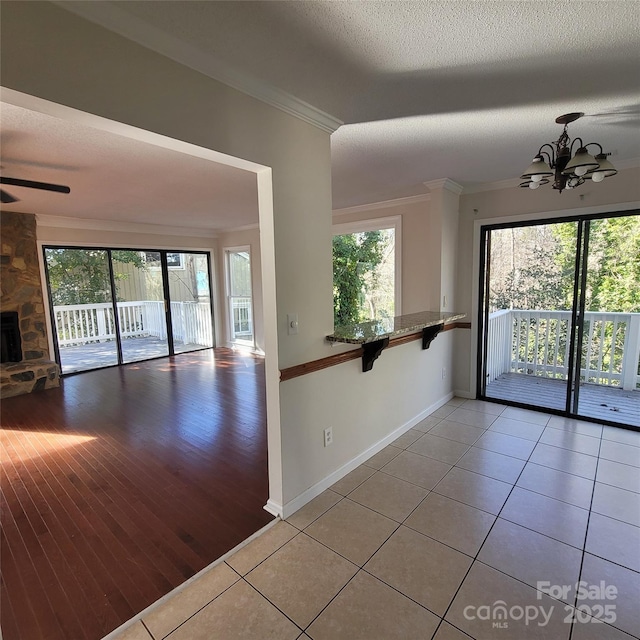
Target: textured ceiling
(116,178)
(462,89)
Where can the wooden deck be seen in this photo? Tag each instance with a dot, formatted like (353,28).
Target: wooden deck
(94,355)
(596,401)
(122,484)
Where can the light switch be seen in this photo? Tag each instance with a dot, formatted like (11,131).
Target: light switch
(292,324)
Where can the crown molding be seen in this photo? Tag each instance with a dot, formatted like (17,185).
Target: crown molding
(492,186)
(63,222)
(111,17)
(383,204)
(444,183)
(246,227)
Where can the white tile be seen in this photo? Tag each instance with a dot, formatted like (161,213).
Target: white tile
(566,460)
(576,426)
(484,407)
(494,465)
(625,436)
(623,476)
(620,452)
(381,458)
(507,445)
(484,587)
(614,540)
(517,428)
(456,431)
(570,440)
(472,418)
(627,584)
(525,415)
(616,503)
(557,484)
(442,449)
(553,518)
(473,489)
(531,557)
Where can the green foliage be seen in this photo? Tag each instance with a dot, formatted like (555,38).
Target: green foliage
(355,259)
(614,265)
(81,276)
(542,261)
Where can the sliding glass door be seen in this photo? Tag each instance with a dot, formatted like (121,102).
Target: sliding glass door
(609,346)
(116,306)
(140,301)
(190,296)
(80,295)
(560,316)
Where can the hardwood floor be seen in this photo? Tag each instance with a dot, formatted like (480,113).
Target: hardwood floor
(122,484)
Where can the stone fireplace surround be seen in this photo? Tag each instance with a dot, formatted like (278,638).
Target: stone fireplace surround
(22,292)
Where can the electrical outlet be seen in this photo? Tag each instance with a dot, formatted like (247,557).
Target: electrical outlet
(444,373)
(328,436)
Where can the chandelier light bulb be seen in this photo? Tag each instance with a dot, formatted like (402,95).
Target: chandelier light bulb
(534,185)
(598,176)
(537,177)
(580,171)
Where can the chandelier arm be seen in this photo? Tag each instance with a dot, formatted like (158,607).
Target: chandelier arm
(551,157)
(574,141)
(595,144)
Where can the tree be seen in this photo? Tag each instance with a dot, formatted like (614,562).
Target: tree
(81,276)
(355,259)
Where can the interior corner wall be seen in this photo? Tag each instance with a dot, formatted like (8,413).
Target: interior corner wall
(618,193)
(244,238)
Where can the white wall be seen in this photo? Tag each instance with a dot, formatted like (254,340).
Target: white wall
(52,54)
(618,193)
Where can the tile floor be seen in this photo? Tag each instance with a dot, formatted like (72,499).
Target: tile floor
(449,533)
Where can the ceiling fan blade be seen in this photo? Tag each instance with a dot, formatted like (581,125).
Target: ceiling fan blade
(6,198)
(30,184)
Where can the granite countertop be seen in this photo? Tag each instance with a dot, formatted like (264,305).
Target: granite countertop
(390,327)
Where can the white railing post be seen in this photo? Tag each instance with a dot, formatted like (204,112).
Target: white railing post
(629,375)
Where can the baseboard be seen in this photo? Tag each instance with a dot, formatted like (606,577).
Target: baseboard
(292,506)
(272,507)
(465,394)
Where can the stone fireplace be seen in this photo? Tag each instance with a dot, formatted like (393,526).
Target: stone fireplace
(25,365)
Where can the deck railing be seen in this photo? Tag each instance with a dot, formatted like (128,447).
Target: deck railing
(537,343)
(84,323)
(242,317)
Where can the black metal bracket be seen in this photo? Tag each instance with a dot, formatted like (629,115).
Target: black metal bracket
(371,351)
(429,333)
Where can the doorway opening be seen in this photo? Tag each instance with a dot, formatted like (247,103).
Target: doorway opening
(560,316)
(117,306)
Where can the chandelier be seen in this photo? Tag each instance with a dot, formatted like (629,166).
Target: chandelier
(568,170)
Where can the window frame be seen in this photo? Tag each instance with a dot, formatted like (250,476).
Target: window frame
(378,224)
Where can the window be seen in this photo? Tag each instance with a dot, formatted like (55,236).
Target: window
(174,260)
(239,295)
(366,270)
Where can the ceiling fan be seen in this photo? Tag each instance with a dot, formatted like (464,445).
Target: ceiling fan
(7,198)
